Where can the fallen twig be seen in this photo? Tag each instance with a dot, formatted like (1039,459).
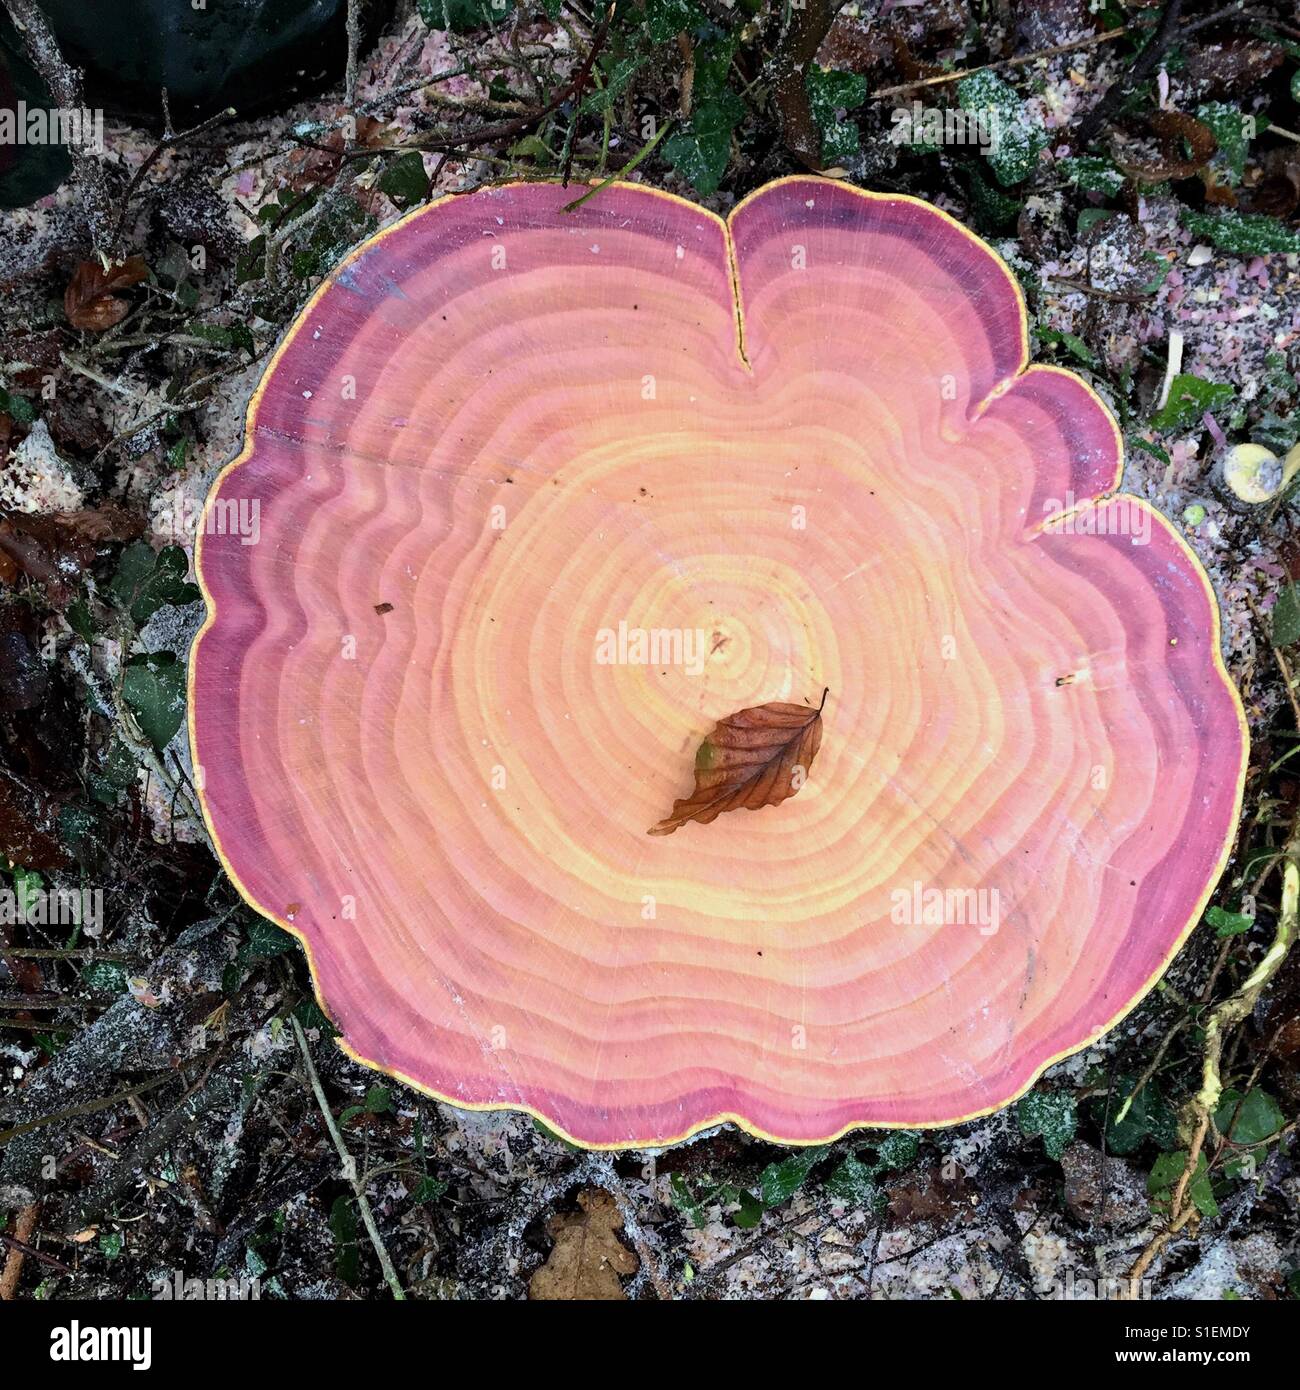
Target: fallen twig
(349,1164)
(64,83)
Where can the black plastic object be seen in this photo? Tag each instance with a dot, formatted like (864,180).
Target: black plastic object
(244,53)
(27,172)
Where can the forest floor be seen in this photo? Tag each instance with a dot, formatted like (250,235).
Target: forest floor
(172,1105)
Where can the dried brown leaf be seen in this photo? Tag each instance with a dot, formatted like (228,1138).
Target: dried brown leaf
(588,1256)
(90,301)
(54,548)
(754,758)
(1186,145)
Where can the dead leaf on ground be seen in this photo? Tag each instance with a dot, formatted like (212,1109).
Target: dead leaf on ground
(588,1256)
(756,757)
(1186,145)
(90,301)
(54,548)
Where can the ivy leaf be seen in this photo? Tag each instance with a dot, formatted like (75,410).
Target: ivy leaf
(1149,1116)
(1228,127)
(1253,1118)
(404,181)
(461,16)
(1286,617)
(685,1201)
(1016,138)
(754,758)
(854,1184)
(1051,1114)
(1228,923)
(700,152)
(19,408)
(1166,1173)
(1073,344)
(428,1189)
(829,93)
(897,1149)
(1091,173)
(265,941)
(146,581)
(993,209)
(153,686)
(665,19)
(343,1226)
(749,1213)
(1189,398)
(1242,233)
(615,75)
(780,1181)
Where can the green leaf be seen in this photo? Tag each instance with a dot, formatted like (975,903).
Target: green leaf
(854,1184)
(1090,217)
(146,582)
(1242,233)
(549,1133)
(404,181)
(104,977)
(343,1225)
(265,941)
(830,92)
(1154,450)
(310,1014)
(429,1189)
(1075,346)
(462,16)
(1286,617)
(153,686)
(1091,173)
(780,1181)
(18,408)
(1189,398)
(1017,138)
(686,1203)
(750,1211)
(110,1244)
(1254,1117)
(700,151)
(1149,1117)
(898,1149)
(615,76)
(1051,1114)
(1229,128)
(665,19)
(1228,923)
(994,210)
(250,264)
(1166,1173)
(379,1100)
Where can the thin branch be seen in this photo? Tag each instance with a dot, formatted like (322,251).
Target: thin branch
(64,83)
(1090,41)
(354,46)
(170,138)
(349,1164)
